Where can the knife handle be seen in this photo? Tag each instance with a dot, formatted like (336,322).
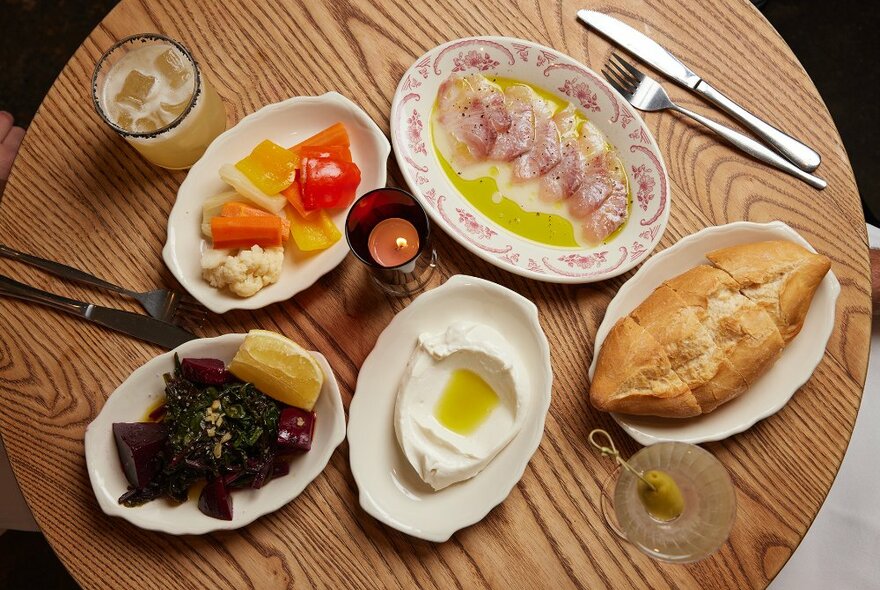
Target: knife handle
(755,149)
(61,270)
(12,288)
(802,155)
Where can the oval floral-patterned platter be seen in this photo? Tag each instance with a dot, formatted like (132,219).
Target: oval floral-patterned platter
(564,77)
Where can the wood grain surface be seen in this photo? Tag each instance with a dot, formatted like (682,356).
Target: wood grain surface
(80,195)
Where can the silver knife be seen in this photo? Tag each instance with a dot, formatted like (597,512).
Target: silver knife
(652,53)
(137,325)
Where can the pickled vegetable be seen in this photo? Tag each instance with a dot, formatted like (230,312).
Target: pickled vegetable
(296,427)
(316,232)
(270,167)
(205,371)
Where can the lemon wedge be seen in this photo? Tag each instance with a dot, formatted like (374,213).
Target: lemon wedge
(280,368)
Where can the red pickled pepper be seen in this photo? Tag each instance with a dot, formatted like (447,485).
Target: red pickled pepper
(327,183)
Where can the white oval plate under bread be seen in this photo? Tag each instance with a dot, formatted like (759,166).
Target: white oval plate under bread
(771,391)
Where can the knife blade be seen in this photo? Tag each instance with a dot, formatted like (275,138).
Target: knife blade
(636,43)
(139,326)
(653,54)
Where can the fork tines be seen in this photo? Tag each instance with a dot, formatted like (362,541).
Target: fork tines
(622,75)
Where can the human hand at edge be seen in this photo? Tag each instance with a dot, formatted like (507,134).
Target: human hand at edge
(10,141)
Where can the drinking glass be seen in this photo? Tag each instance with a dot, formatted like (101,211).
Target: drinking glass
(151,91)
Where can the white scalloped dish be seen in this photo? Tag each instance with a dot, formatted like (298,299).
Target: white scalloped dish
(771,391)
(390,489)
(568,80)
(286,123)
(143,389)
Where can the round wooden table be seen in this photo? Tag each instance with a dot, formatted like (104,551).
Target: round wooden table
(80,195)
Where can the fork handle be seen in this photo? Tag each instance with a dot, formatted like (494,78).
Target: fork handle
(61,270)
(12,288)
(754,149)
(803,156)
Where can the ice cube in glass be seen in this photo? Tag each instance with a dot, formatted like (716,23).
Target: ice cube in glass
(135,89)
(173,68)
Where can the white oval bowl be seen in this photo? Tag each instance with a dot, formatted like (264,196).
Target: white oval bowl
(143,389)
(390,489)
(286,123)
(771,391)
(570,80)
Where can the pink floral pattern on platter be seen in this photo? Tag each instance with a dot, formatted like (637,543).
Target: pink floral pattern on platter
(626,117)
(639,135)
(644,178)
(414,131)
(474,227)
(545,57)
(599,270)
(637,250)
(581,92)
(512,258)
(473,60)
(483,43)
(445,216)
(423,66)
(582,261)
(415,165)
(650,233)
(522,51)
(410,83)
(431,195)
(535,267)
(598,83)
(420,180)
(661,207)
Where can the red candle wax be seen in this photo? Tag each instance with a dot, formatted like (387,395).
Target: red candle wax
(393,242)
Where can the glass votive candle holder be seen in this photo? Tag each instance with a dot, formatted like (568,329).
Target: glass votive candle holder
(388,230)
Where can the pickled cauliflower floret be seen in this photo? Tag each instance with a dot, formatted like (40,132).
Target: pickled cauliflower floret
(245,273)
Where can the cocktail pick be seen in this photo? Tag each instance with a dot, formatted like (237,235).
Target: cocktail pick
(611,451)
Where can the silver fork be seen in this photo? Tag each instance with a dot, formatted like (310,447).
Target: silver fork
(162,304)
(646,94)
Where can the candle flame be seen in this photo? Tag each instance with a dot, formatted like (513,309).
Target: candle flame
(401,243)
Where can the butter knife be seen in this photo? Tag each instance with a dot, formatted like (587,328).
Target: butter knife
(652,53)
(140,326)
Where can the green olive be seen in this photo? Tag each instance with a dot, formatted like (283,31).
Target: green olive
(665,501)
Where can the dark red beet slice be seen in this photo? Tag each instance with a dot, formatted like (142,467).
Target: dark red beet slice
(215,500)
(296,427)
(281,467)
(205,371)
(139,445)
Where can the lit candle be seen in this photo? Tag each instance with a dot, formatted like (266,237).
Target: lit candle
(393,242)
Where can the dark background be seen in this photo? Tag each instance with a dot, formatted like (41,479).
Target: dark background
(835,40)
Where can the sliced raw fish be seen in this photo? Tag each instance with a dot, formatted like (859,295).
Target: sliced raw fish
(547,150)
(592,141)
(610,215)
(520,136)
(473,110)
(566,122)
(552,185)
(601,178)
(589,195)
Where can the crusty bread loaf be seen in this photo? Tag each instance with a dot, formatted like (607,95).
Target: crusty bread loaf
(703,337)
(781,277)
